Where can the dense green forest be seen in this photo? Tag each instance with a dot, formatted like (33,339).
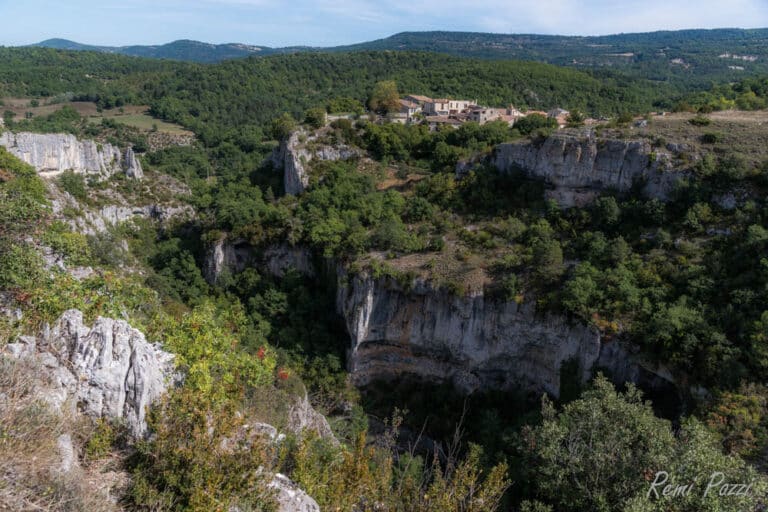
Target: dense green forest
(182,50)
(251,92)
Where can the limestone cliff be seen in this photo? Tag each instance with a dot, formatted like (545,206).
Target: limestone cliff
(474,341)
(55,153)
(113,206)
(296,152)
(234,256)
(580,168)
(107,370)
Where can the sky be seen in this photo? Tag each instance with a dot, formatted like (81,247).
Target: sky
(336,22)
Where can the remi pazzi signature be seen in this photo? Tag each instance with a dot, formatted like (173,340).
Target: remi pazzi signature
(715,485)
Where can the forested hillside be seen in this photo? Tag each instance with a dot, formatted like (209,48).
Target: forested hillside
(688,56)
(693,56)
(183,50)
(253,91)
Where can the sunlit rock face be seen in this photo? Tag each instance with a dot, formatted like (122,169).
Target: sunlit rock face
(473,341)
(56,153)
(578,169)
(106,370)
(294,154)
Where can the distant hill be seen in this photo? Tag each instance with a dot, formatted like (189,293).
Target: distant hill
(704,54)
(185,50)
(719,54)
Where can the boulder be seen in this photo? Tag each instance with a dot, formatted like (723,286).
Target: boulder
(290,498)
(107,370)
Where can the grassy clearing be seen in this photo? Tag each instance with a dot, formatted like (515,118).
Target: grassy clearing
(729,132)
(135,116)
(143,122)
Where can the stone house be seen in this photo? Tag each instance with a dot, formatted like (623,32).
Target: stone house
(438,107)
(561,115)
(418,99)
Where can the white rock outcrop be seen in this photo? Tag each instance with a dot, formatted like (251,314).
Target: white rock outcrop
(290,498)
(108,370)
(234,256)
(579,168)
(295,153)
(475,342)
(52,154)
(91,221)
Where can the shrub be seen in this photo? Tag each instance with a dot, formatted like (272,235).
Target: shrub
(700,121)
(315,117)
(101,440)
(418,209)
(602,451)
(548,259)
(202,456)
(73,246)
(351,478)
(74,184)
(30,461)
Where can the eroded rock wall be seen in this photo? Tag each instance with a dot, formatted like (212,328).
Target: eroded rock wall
(56,153)
(474,341)
(580,168)
(295,153)
(107,370)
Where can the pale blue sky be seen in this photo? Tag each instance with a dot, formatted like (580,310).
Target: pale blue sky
(333,22)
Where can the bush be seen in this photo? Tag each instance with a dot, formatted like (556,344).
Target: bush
(74,184)
(603,451)
(418,209)
(350,478)
(30,461)
(201,457)
(101,440)
(73,246)
(315,117)
(281,127)
(711,138)
(548,259)
(700,121)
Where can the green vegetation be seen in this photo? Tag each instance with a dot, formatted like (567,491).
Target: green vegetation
(384,97)
(637,55)
(601,453)
(749,94)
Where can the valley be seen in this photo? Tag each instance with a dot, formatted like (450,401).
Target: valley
(278,283)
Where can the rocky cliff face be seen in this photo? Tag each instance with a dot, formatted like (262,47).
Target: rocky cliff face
(55,153)
(107,370)
(295,153)
(473,341)
(93,220)
(580,168)
(234,256)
